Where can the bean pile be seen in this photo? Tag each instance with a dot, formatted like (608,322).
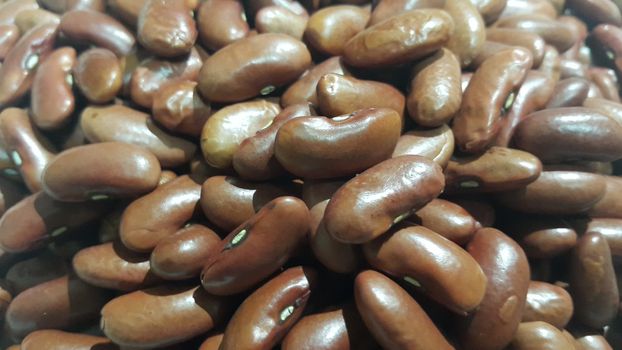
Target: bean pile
(309,175)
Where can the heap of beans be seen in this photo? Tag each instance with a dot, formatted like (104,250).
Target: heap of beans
(310,175)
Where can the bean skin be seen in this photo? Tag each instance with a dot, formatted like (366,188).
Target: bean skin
(10,9)
(490,9)
(548,303)
(469,35)
(221,22)
(448,219)
(393,317)
(594,342)
(303,90)
(166,28)
(98,29)
(126,10)
(436,144)
(368,205)
(28,19)
(98,75)
(569,92)
(258,247)
(541,237)
(178,107)
(59,340)
(555,33)
(268,314)
(609,228)
(330,28)
(539,335)
(597,11)
(277,19)
(517,37)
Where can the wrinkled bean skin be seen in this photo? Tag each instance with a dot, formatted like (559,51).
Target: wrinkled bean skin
(159,214)
(29,151)
(567,134)
(258,247)
(9,35)
(555,33)
(490,9)
(254,159)
(539,335)
(98,75)
(112,266)
(393,317)
(548,303)
(320,147)
(177,313)
(19,66)
(304,90)
(368,205)
(277,19)
(39,269)
(432,107)
(497,169)
(338,95)
(266,316)
(330,28)
(221,22)
(98,29)
(447,219)
(436,144)
(469,34)
(446,272)
(486,98)
(569,92)
(59,340)
(597,11)
(340,329)
(493,324)
(57,304)
(38,218)
(517,37)
(166,28)
(227,202)
(183,254)
(179,108)
(253,66)
(609,206)
(123,124)
(541,237)
(592,281)
(109,169)
(556,192)
(51,98)
(390,8)
(400,39)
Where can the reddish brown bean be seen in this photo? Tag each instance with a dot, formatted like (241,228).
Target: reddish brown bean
(594,342)
(597,11)
(99,29)
(521,7)
(304,89)
(28,19)
(277,19)
(58,340)
(436,144)
(517,37)
(9,35)
(539,335)
(548,303)
(390,8)
(179,108)
(541,237)
(556,33)
(11,8)
(39,269)
(469,35)
(448,219)
(221,22)
(166,27)
(606,107)
(569,92)
(490,9)
(330,28)
(126,10)
(609,206)
(98,75)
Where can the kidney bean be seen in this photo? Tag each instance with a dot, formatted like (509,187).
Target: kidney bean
(162,316)
(183,254)
(28,19)
(539,335)
(469,35)
(518,37)
(338,95)
(541,237)
(610,229)
(112,266)
(573,68)
(99,29)
(368,205)
(58,340)
(523,7)
(477,124)
(318,147)
(548,303)
(255,159)
(493,324)
(159,214)
(330,28)
(572,133)
(166,28)
(179,108)
(304,90)
(606,107)
(9,35)
(551,63)
(393,44)
(277,19)
(592,281)
(20,64)
(212,343)
(555,33)
(38,218)
(98,75)
(252,7)
(436,144)
(390,8)
(392,315)
(609,205)
(36,270)
(258,247)
(490,9)
(448,219)
(606,81)
(61,303)
(221,22)
(594,342)
(269,313)
(569,92)
(10,9)
(126,10)
(597,11)
(99,171)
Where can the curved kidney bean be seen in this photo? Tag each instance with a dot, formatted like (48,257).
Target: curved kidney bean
(548,303)
(448,219)
(304,89)
(99,29)
(436,144)
(556,33)
(469,35)
(277,19)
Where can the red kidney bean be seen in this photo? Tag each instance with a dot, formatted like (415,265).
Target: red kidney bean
(541,237)
(166,27)
(277,19)
(221,22)
(569,92)
(448,219)
(304,89)
(98,75)
(469,35)
(548,303)
(390,8)
(555,33)
(539,335)
(178,107)
(609,206)
(330,28)
(597,11)
(99,29)
(436,144)
(611,229)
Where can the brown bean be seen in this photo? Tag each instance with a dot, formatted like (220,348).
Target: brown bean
(593,282)
(611,229)
(469,35)
(178,107)
(316,191)
(490,9)
(227,202)
(522,7)
(393,317)
(609,206)
(38,218)
(99,171)
(304,89)
(36,270)
(10,9)
(390,8)
(368,205)
(183,254)
(166,27)
(541,237)
(268,314)
(555,33)
(436,144)
(597,11)
(258,247)
(29,151)
(606,81)
(319,147)
(20,64)
(277,19)
(493,324)
(569,92)
(126,10)
(592,135)
(573,68)
(58,340)
(594,342)
(123,124)
(330,28)
(606,107)
(51,98)
(99,29)
(98,75)
(391,42)
(212,343)
(28,19)
(448,219)
(518,37)
(61,6)
(61,303)
(551,63)
(9,35)
(539,335)
(221,22)
(161,316)
(225,130)
(548,303)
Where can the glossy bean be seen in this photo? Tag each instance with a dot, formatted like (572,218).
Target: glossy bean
(59,340)
(390,8)
(221,22)
(539,335)
(98,75)
(548,303)
(569,92)
(277,19)
(555,33)
(448,219)
(436,144)
(606,107)
(179,108)
(469,35)
(594,342)
(166,27)
(490,9)
(330,28)
(9,35)
(606,81)
(597,11)
(98,29)
(609,206)
(304,89)
(541,237)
